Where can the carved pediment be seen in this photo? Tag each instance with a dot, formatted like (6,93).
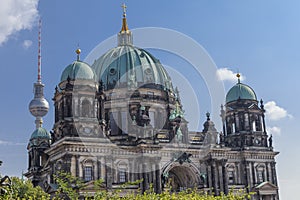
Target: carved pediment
(253,107)
(266,188)
(181,157)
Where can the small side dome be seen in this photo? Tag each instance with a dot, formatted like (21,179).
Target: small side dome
(40,133)
(240,91)
(39,137)
(78,70)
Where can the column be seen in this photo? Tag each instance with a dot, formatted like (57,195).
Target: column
(109,173)
(248,174)
(225,177)
(102,171)
(221,181)
(131,170)
(215,178)
(253,174)
(250,122)
(158,179)
(119,122)
(274,173)
(77,165)
(140,175)
(73,166)
(153,176)
(238,174)
(209,176)
(269,177)
(145,177)
(264,123)
(235,122)
(98,175)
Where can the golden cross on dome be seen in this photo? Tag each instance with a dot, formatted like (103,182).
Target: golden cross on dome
(124,9)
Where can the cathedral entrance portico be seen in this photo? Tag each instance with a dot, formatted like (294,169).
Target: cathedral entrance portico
(177,177)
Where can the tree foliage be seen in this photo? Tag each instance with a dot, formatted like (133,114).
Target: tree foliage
(69,187)
(21,189)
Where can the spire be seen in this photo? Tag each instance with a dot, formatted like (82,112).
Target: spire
(125,35)
(39,79)
(124,24)
(207,116)
(78,51)
(39,106)
(238,76)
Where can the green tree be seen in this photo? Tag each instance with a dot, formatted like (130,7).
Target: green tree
(68,186)
(21,189)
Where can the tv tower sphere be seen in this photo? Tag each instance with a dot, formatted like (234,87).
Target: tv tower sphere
(39,106)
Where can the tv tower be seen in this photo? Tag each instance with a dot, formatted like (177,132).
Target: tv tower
(39,106)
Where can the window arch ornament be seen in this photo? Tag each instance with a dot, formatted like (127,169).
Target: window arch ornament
(88,170)
(260,173)
(231,174)
(122,172)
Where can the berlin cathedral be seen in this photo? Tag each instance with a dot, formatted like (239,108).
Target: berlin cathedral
(121,120)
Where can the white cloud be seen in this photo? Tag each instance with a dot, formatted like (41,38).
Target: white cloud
(3,142)
(224,74)
(16,15)
(27,44)
(274,130)
(274,112)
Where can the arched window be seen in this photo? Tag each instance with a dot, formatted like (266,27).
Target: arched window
(253,126)
(69,107)
(40,161)
(233,127)
(231,174)
(85,108)
(246,123)
(257,123)
(124,121)
(88,170)
(113,118)
(122,173)
(261,124)
(152,118)
(237,120)
(60,110)
(260,173)
(88,173)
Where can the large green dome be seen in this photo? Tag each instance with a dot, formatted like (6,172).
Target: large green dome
(126,64)
(78,70)
(240,91)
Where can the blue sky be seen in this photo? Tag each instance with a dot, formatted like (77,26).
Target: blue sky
(258,38)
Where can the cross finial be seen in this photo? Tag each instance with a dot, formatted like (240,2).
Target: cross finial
(124,9)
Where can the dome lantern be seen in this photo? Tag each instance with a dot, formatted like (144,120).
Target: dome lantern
(125,35)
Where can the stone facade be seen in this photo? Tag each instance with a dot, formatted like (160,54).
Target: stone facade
(122,131)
